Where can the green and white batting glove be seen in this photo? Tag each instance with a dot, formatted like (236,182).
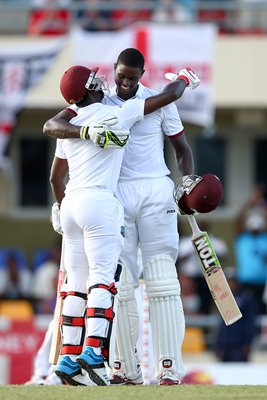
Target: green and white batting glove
(103,137)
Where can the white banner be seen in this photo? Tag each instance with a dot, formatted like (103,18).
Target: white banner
(165,48)
(20,69)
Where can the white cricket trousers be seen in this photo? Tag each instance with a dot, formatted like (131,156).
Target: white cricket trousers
(150,215)
(93,222)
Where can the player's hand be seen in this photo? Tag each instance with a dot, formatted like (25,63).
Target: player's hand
(188,75)
(184,212)
(55,218)
(103,137)
(194,80)
(183,186)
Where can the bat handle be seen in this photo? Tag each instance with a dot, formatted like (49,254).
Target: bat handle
(194,226)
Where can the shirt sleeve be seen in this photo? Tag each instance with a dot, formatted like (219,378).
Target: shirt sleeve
(131,112)
(171,123)
(59,150)
(73,109)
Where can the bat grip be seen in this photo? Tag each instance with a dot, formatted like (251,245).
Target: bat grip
(194,226)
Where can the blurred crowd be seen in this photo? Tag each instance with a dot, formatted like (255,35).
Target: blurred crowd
(34,282)
(53,17)
(92,15)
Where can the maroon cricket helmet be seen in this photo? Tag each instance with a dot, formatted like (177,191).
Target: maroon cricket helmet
(75,81)
(205,197)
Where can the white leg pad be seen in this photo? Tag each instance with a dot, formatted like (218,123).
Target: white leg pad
(166,315)
(74,306)
(127,327)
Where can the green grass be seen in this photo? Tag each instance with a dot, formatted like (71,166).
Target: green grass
(183,392)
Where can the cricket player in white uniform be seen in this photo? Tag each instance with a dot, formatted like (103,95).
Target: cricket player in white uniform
(146,192)
(91,217)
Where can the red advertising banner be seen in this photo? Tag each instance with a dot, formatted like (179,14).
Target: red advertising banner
(19,342)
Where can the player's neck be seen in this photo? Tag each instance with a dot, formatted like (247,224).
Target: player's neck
(128,95)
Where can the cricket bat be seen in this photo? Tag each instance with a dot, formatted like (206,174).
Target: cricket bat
(214,275)
(56,343)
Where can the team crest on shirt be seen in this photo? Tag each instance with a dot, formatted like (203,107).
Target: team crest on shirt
(123,231)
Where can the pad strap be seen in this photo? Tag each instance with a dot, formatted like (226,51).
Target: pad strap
(71,321)
(111,288)
(95,341)
(73,293)
(71,349)
(95,312)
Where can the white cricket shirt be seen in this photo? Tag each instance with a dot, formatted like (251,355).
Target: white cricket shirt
(89,165)
(144,154)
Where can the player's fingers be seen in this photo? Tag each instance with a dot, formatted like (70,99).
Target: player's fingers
(171,76)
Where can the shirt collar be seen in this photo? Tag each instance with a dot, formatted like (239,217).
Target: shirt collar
(138,94)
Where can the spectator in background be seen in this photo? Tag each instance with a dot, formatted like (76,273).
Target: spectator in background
(264,296)
(221,16)
(188,265)
(14,278)
(94,18)
(49,17)
(45,279)
(172,11)
(122,18)
(251,244)
(190,297)
(234,342)
(251,16)
(251,257)
(256,204)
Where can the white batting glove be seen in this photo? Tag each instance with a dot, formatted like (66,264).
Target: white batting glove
(55,218)
(103,137)
(188,75)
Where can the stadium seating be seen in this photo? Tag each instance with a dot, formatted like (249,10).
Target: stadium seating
(18,310)
(17,252)
(40,256)
(194,341)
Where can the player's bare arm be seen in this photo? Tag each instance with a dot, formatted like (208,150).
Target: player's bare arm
(172,92)
(58,172)
(183,154)
(101,134)
(60,128)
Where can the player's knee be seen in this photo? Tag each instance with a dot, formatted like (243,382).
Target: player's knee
(161,277)
(76,302)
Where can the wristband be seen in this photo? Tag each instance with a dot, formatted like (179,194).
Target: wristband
(184,78)
(84,133)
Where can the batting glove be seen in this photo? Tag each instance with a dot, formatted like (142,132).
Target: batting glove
(55,218)
(188,75)
(103,137)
